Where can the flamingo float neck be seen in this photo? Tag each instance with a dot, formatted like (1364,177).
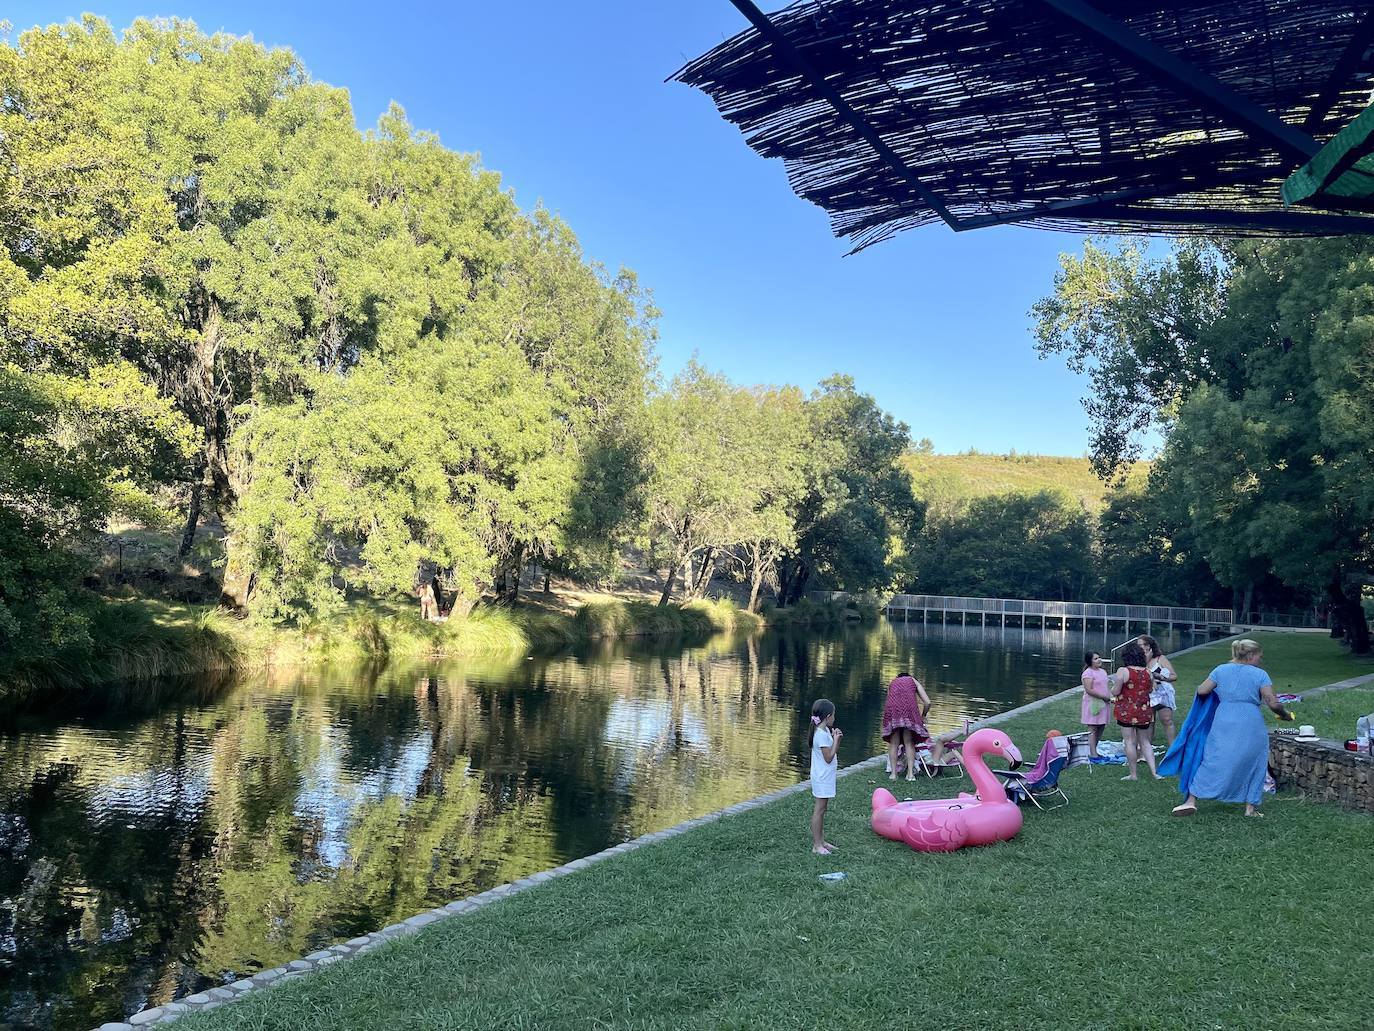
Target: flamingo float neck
(979,744)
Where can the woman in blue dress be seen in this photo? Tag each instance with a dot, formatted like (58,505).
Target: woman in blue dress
(1236,756)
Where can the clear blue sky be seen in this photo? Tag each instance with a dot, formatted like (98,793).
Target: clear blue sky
(567,101)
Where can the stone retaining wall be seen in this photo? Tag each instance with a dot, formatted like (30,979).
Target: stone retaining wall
(1323,771)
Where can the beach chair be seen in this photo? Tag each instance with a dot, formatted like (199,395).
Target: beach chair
(953,764)
(1039,784)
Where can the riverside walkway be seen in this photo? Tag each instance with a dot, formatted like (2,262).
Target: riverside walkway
(1060,615)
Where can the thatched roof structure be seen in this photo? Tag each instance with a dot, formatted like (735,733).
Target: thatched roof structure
(1115,117)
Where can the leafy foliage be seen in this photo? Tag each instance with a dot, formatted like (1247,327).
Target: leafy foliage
(1008,546)
(1255,359)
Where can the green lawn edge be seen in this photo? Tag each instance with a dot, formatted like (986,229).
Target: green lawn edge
(1106,914)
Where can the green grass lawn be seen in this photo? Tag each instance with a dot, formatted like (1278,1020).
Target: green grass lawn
(1334,714)
(1106,914)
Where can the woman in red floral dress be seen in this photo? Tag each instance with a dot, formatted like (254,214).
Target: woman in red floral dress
(1131,685)
(904,722)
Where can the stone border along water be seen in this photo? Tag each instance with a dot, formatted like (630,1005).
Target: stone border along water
(215,997)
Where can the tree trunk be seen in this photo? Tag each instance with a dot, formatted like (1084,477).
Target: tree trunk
(755,582)
(1350,614)
(202,402)
(704,573)
(795,584)
(509,592)
(546,582)
(236,587)
(188,535)
(668,584)
(1244,615)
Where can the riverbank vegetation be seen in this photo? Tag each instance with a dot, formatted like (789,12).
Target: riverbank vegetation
(709,957)
(357,360)
(318,369)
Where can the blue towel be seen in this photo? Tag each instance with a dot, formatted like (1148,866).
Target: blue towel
(1185,754)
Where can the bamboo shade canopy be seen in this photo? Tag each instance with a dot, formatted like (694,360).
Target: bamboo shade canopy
(1140,117)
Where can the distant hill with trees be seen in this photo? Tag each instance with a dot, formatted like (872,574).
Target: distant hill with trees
(974,474)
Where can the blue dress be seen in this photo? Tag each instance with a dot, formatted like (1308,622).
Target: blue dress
(1237,753)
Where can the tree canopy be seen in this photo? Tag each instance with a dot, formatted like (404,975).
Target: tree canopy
(1254,359)
(360,358)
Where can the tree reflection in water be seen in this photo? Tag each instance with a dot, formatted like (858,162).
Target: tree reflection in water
(147,856)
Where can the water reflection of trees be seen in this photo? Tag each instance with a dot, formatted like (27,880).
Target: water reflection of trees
(143,859)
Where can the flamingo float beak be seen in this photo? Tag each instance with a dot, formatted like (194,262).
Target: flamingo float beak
(1012,754)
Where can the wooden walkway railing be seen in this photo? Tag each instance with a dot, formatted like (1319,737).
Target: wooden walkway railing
(997,611)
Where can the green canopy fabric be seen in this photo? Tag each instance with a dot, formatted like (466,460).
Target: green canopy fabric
(1341,174)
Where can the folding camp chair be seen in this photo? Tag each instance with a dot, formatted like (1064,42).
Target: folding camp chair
(1041,781)
(952,764)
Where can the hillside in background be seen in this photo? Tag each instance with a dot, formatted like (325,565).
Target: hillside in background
(974,474)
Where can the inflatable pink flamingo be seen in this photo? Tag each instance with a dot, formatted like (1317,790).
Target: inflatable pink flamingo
(946,824)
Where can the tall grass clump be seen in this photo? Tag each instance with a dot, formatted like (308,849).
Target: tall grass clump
(132,640)
(616,617)
(384,630)
(725,616)
(866,608)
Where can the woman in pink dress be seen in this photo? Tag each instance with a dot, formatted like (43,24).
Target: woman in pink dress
(904,722)
(1097,700)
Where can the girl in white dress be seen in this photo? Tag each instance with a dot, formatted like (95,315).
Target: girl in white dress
(824,740)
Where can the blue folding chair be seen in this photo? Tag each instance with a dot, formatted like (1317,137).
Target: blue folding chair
(1039,784)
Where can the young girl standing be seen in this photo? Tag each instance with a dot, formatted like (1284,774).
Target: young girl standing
(1097,700)
(824,740)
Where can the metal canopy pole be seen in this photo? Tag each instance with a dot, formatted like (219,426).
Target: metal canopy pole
(1159,64)
(856,121)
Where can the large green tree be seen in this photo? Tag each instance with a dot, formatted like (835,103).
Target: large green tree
(1257,355)
(857,516)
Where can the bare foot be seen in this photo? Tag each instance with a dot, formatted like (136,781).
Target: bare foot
(1254,812)
(831,847)
(1157,776)
(820,851)
(1131,777)
(891,776)
(911,776)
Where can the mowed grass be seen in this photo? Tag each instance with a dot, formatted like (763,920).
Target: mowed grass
(1106,914)
(1334,714)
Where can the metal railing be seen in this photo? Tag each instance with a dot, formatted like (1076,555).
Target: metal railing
(1061,609)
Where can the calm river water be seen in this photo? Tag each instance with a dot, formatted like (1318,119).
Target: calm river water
(148,856)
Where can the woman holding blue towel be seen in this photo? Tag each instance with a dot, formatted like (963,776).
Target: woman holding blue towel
(1236,754)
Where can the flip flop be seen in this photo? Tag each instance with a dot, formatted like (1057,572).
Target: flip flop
(1185,810)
